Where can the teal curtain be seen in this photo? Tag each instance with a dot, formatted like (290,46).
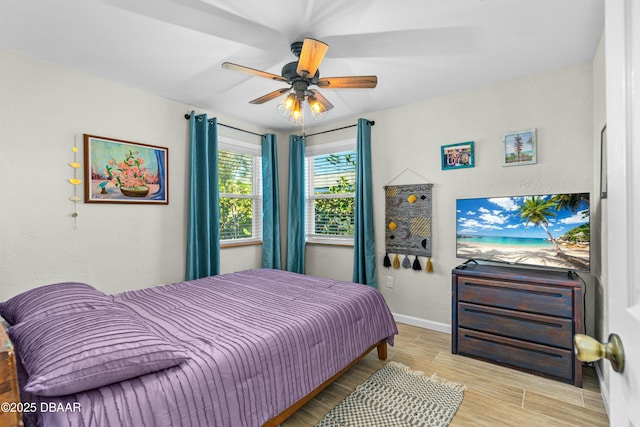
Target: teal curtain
(270,203)
(364,257)
(203,235)
(295,219)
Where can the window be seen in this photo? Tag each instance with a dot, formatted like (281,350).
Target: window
(330,192)
(240,181)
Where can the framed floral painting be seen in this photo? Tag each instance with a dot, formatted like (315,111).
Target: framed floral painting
(119,171)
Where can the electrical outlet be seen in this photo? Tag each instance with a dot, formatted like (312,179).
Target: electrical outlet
(389,281)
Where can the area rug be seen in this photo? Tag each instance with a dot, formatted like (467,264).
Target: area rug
(397,396)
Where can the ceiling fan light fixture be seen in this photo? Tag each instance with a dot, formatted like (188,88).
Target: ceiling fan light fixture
(318,109)
(296,116)
(285,107)
(293,105)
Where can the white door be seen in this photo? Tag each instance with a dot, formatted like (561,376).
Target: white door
(622,50)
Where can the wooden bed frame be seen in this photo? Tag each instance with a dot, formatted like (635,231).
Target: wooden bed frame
(9,392)
(9,363)
(278,419)
(273,422)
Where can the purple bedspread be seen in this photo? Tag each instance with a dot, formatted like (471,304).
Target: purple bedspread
(259,340)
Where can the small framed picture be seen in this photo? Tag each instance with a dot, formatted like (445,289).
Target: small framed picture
(118,171)
(458,156)
(519,148)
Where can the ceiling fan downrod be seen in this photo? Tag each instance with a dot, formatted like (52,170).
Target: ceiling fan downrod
(296,48)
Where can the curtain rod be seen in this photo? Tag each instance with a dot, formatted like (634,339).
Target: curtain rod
(371,122)
(188,116)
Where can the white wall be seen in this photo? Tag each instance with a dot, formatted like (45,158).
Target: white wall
(114,247)
(558,104)
(117,247)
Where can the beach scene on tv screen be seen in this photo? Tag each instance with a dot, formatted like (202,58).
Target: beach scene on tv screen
(542,230)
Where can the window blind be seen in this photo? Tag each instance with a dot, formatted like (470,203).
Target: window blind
(330,195)
(239,178)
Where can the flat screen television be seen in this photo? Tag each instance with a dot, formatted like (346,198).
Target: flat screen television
(544,230)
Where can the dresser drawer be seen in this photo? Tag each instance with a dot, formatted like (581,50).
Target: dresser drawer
(555,331)
(553,362)
(549,300)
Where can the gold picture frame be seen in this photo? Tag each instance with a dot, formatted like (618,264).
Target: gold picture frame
(118,171)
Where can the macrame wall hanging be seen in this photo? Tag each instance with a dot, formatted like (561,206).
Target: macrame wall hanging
(408,225)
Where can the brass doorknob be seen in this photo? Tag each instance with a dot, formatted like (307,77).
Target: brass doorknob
(588,349)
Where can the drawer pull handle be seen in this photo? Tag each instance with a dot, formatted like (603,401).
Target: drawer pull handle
(520,319)
(532,350)
(524,291)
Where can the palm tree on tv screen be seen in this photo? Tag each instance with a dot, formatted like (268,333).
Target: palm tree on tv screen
(537,210)
(570,201)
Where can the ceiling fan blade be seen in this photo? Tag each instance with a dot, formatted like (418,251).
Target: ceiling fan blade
(259,73)
(311,56)
(321,99)
(352,82)
(270,96)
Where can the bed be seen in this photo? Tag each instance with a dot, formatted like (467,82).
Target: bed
(239,349)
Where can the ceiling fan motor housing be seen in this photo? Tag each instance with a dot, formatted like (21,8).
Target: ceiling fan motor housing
(289,72)
(300,88)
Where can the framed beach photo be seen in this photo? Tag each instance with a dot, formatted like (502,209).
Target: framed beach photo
(458,156)
(118,171)
(519,148)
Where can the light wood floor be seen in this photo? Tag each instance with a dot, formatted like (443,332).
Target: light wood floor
(496,396)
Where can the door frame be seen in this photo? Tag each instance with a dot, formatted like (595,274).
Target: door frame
(622,64)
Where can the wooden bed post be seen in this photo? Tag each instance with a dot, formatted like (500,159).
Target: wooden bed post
(382,350)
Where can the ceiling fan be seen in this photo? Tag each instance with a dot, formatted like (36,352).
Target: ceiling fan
(301,75)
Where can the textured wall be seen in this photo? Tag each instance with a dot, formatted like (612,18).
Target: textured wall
(114,247)
(559,104)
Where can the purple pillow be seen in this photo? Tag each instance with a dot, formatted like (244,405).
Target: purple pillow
(56,298)
(74,352)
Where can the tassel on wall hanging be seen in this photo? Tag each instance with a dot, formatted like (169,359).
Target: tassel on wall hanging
(429,267)
(405,262)
(386,262)
(408,223)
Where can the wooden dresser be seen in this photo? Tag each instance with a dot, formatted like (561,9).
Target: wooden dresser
(517,317)
(9,393)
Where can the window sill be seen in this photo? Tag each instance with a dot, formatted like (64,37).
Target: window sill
(328,242)
(239,244)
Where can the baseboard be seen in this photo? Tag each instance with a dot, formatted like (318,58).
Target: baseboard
(422,323)
(604,391)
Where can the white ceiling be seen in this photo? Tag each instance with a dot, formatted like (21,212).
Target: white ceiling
(417,48)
